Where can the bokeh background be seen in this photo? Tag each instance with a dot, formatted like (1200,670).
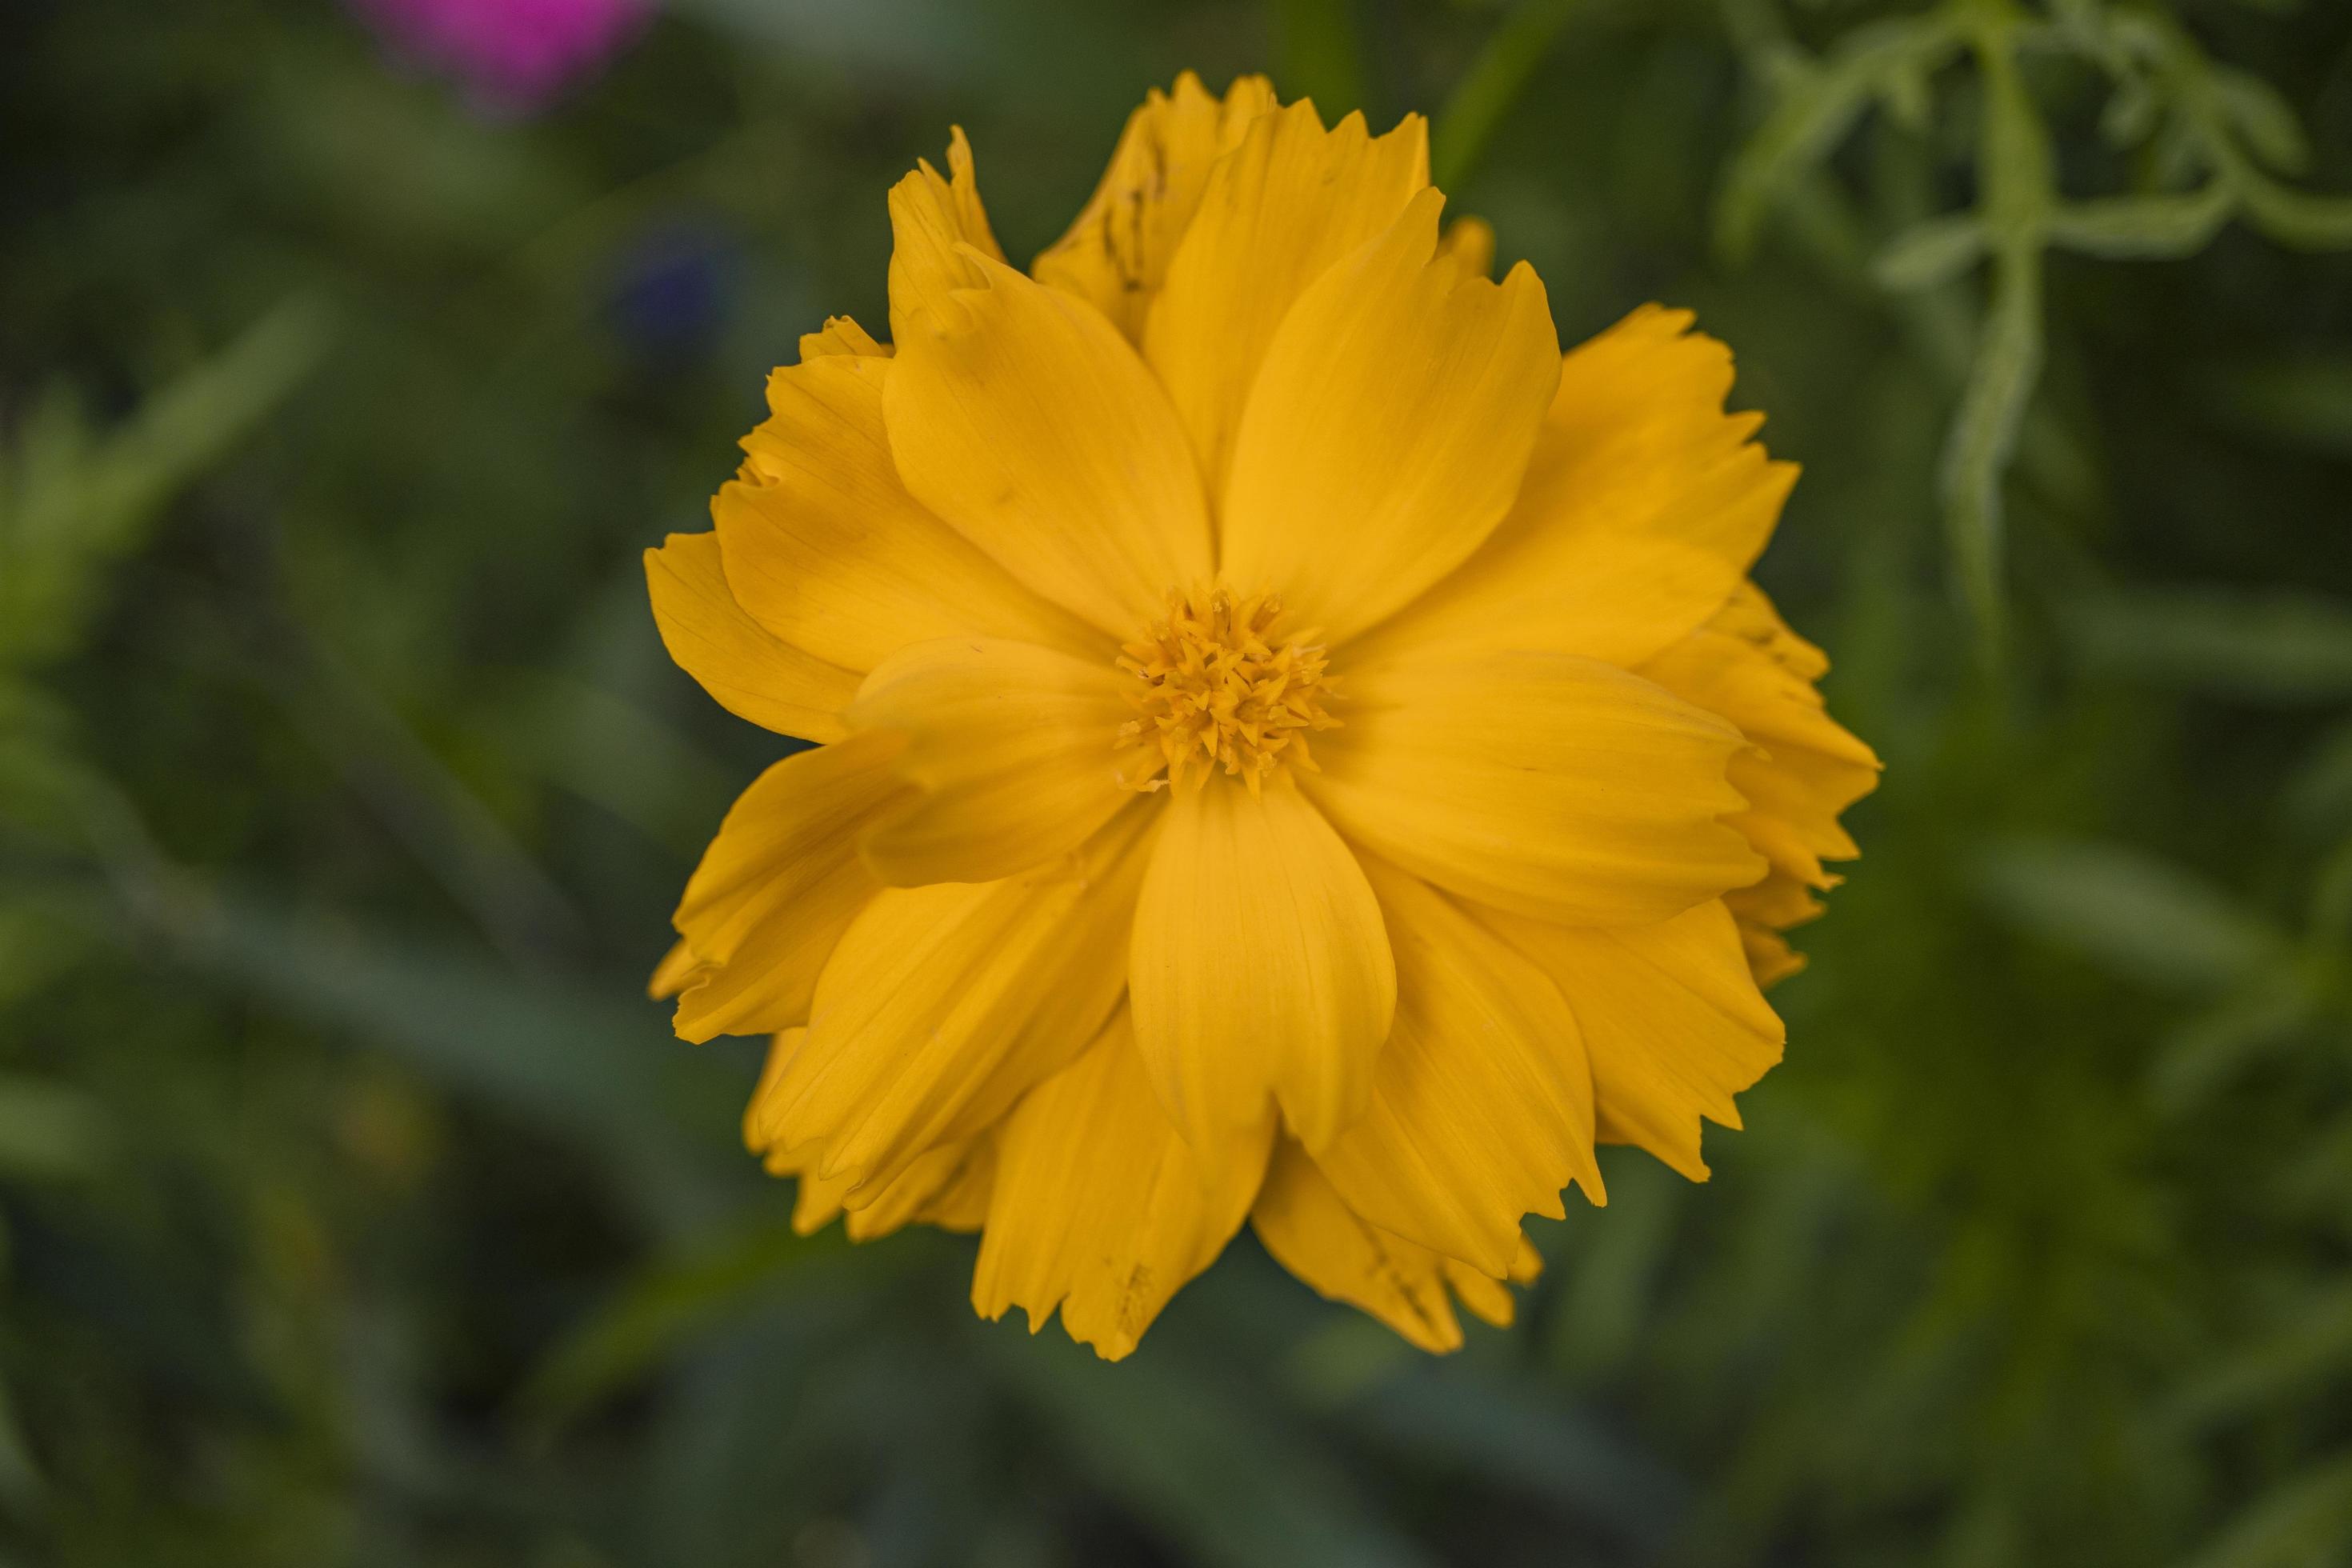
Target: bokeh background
(359,1209)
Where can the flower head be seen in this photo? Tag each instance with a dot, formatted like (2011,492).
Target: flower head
(1293,747)
(512,54)
(1222,685)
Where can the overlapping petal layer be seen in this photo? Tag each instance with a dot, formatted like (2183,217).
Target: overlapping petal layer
(1278,212)
(1005,750)
(777,887)
(1482,1106)
(747,669)
(942,1005)
(828,550)
(1021,418)
(1116,254)
(1642,507)
(1099,1207)
(1671,1018)
(1260,968)
(1310,1230)
(1388,428)
(1799,775)
(947,1185)
(1560,788)
(939,234)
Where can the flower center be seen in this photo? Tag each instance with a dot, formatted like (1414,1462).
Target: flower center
(1217,684)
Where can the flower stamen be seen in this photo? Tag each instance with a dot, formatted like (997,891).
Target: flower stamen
(1218,685)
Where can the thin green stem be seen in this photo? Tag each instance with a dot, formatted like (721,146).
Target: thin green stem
(1491,87)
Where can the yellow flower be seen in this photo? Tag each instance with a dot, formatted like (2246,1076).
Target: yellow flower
(1294,747)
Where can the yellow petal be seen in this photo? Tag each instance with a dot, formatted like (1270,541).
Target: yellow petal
(1482,1103)
(1559,787)
(1779,901)
(1672,1023)
(1021,418)
(1278,211)
(1116,254)
(942,1005)
(745,668)
(778,886)
(1763,912)
(1485,1295)
(1642,507)
(1490,1297)
(1769,956)
(840,335)
(1805,768)
(1388,429)
(1099,1207)
(674,974)
(772,1068)
(1260,968)
(825,548)
(1312,1231)
(931,222)
(817,1203)
(1470,241)
(947,1186)
(1802,771)
(961,1202)
(1010,746)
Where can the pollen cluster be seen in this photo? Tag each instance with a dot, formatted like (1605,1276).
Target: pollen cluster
(1218,685)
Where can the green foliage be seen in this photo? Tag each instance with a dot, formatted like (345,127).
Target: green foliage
(359,1208)
(73,501)
(2214,130)
(1495,81)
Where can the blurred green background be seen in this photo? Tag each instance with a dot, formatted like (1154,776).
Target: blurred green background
(358,1207)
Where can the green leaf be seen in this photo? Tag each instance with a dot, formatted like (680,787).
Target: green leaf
(609,749)
(2304,402)
(2013,157)
(2199,1058)
(1217,1472)
(2131,114)
(926,37)
(668,1304)
(2331,899)
(1930,253)
(1604,1304)
(47,790)
(2312,1347)
(2258,112)
(2298,219)
(35,944)
(1817,106)
(2124,228)
(595,1065)
(2308,1519)
(2280,646)
(2142,918)
(1490,86)
(49,1130)
(2319,793)
(22,1485)
(1983,439)
(2014,166)
(1558,1453)
(1318,54)
(77,502)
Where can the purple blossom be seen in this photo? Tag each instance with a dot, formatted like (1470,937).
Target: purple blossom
(510,54)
